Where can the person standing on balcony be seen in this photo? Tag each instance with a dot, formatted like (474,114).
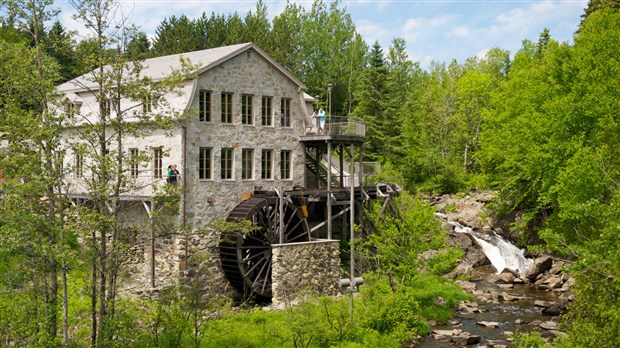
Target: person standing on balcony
(322,119)
(173,175)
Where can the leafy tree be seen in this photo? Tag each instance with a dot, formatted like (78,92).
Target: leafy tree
(34,208)
(101,139)
(595,5)
(399,238)
(286,36)
(402,75)
(331,53)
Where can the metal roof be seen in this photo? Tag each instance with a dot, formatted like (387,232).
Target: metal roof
(158,68)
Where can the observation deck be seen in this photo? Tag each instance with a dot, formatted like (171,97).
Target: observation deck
(338,129)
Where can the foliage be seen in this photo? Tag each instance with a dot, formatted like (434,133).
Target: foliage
(529,340)
(552,149)
(542,129)
(399,237)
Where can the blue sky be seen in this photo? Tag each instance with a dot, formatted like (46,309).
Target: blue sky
(439,30)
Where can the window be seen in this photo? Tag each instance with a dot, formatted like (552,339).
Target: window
(204,163)
(69,108)
(133,163)
(285,164)
(247,116)
(247,164)
(267,164)
(158,157)
(226,163)
(266,112)
(227,107)
(105,107)
(204,108)
(79,164)
(147,105)
(285,112)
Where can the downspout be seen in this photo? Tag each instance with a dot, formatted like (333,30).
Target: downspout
(184,185)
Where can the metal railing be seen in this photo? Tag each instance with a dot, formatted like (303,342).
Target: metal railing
(338,125)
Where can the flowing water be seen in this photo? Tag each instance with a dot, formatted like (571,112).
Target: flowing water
(501,253)
(512,316)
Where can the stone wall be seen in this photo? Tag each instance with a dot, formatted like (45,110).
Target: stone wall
(250,75)
(313,266)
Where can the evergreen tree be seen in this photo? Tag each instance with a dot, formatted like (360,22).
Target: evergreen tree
(257,28)
(177,35)
(372,94)
(138,46)
(60,46)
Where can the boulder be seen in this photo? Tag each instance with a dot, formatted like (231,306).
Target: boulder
(492,324)
(468,307)
(506,277)
(549,325)
(552,311)
(442,335)
(465,339)
(463,270)
(555,282)
(512,297)
(465,285)
(539,266)
(544,304)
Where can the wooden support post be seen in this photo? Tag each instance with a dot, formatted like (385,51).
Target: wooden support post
(352,228)
(329,190)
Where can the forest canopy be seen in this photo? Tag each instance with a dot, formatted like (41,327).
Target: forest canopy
(540,126)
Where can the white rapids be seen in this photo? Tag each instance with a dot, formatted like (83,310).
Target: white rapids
(502,254)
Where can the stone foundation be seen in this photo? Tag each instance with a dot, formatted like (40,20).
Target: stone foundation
(313,266)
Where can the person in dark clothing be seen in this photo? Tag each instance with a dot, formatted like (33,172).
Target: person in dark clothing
(173,175)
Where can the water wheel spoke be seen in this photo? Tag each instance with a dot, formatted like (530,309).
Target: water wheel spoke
(269,276)
(256,264)
(288,222)
(293,228)
(259,276)
(300,237)
(255,246)
(255,255)
(260,240)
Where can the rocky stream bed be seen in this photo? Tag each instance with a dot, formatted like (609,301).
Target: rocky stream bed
(513,300)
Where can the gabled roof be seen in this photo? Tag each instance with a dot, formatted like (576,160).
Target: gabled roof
(158,68)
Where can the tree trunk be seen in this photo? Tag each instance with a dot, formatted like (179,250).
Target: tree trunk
(93,294)
(65,304)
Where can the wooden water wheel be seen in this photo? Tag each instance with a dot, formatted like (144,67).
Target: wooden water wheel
(246,258)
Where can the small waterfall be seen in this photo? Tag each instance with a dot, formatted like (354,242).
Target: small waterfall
(501,253)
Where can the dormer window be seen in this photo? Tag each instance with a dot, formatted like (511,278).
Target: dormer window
(71,108)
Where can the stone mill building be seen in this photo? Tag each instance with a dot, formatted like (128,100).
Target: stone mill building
(249,150)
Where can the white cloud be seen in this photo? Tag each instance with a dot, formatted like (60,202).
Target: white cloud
(459,32)
(422,58)
(421,23)
(482,53)
(372,31)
